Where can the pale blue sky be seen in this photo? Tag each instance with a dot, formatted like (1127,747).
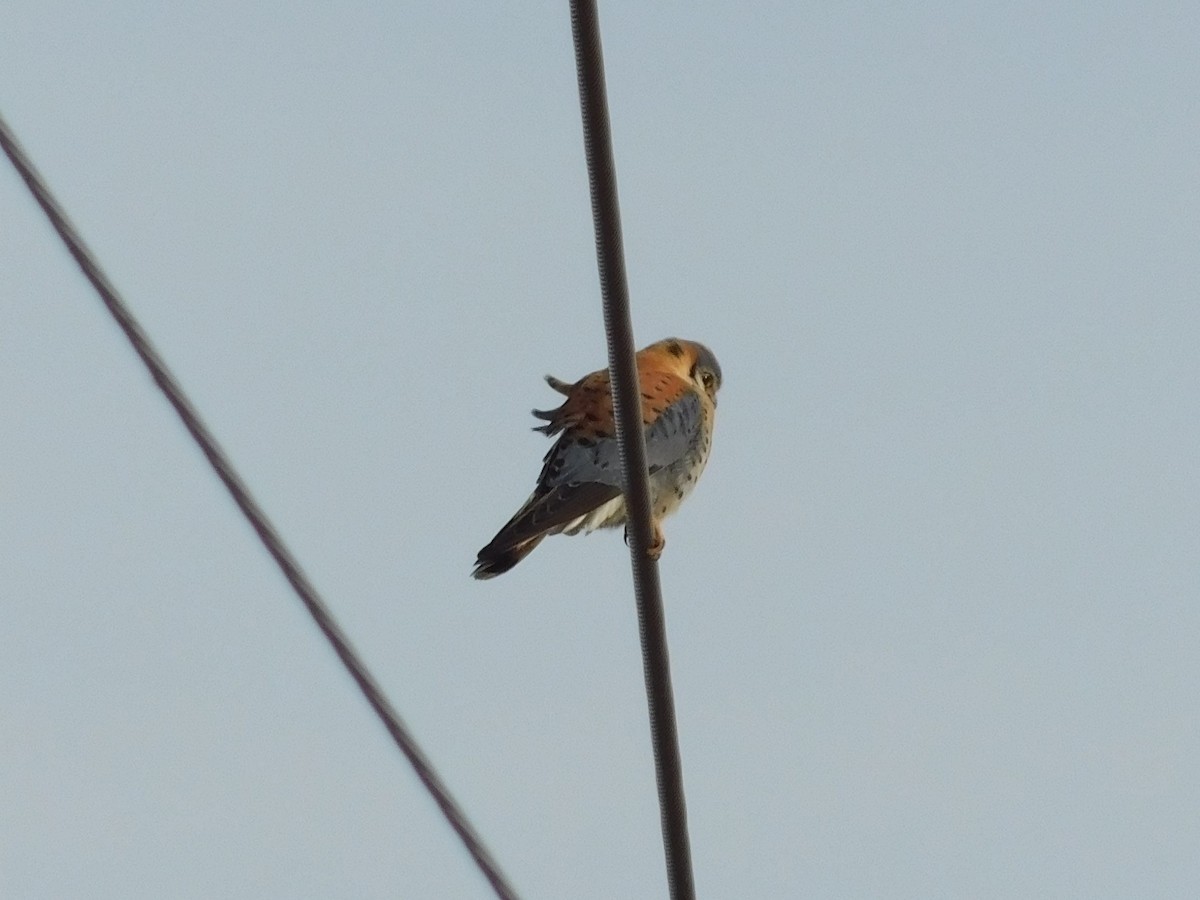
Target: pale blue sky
(933,609)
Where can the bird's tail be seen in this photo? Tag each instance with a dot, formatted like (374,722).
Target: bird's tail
(496,559)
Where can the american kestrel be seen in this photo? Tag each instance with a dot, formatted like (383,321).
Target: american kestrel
(579,489)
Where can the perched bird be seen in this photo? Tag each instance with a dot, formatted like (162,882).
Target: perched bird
(579,489)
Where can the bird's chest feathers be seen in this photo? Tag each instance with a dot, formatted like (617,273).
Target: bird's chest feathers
(670,486)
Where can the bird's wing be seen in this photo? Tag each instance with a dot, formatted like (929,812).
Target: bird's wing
(582,458)
(548,511)
(674,432)
(582,471)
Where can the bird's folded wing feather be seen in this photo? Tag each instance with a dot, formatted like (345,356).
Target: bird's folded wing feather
(547,511)
(575,460)
(581,474)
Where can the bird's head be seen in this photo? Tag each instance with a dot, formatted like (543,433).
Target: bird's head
(693,361)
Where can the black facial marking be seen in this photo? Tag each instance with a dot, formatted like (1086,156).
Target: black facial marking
(674,348)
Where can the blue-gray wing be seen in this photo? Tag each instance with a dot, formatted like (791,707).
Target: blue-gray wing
(598,461)
(581,474)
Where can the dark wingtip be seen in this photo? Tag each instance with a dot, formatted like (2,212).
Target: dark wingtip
(498,565)
(496,561)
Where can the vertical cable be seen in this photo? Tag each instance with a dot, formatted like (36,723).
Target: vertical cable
(614,291)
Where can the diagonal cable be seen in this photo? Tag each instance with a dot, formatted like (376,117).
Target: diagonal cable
(614,289)
(257,518)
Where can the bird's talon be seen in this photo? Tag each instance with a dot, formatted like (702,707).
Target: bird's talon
(654,551)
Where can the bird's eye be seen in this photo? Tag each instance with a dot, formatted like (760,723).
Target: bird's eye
(708,379)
